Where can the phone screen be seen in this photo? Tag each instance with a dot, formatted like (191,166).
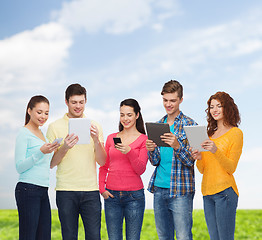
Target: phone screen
(117,140)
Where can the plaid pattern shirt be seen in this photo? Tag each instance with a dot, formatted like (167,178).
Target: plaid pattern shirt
(182,171)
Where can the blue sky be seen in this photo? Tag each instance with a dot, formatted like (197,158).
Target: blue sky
(119,49)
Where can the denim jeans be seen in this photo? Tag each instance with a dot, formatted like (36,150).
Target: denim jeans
(34,212)
(220,214)
(72,203)
(125,204)
(173,214)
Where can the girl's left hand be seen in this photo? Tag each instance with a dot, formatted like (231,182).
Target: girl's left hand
(49,147)
(209,145)
(122,148)
(195,154)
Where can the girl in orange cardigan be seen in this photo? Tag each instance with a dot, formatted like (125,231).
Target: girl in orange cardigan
(219,189)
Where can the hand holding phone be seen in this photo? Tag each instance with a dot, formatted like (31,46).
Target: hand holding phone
(117,140)
(122,148)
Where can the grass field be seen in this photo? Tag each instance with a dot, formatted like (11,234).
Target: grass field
(248,225)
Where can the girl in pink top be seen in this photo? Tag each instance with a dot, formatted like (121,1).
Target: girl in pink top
(119,179)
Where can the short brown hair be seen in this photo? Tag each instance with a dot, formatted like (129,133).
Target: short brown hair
(171,87)
(74,89)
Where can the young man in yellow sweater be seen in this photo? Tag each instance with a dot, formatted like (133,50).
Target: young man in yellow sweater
(76,187)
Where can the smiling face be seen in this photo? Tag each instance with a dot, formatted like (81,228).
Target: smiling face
(171,103)
(128,117)
(216,110)
(76,106)
(39,114)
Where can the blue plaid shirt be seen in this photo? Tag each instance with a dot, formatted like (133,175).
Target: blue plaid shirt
(182,172)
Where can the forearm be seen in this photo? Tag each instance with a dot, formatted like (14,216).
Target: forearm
(183,153)
(23,160)
(138,161)
(228,163)
(58,156)
(24,164)
(185,157)
(102,178)
(154,157)
(100,153)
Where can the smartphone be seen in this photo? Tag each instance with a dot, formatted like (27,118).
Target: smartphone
(117,140)
(57,140)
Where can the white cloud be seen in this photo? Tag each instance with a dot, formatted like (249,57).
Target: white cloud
(113,16)
(157,27)
(200,52)
(31,60)
(33,57)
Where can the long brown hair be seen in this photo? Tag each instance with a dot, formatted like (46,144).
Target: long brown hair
(135,105)
(31,104)
(230,112)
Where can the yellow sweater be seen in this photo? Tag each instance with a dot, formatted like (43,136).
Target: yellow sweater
(218,168)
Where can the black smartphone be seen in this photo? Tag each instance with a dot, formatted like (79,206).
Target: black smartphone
(117,140)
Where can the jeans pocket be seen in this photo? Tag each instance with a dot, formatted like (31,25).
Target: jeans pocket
(225,193)
(136,195)
(155,189)
(108,199)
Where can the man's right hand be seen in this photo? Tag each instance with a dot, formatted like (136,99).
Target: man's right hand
(150,145)
(70,141)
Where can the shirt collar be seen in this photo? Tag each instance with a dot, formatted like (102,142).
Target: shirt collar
(67,118)
(178,117)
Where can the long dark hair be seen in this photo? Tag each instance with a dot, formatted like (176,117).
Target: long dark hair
(230,112)
(139,122)
(31,104)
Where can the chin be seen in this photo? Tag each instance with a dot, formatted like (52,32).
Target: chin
(78,114)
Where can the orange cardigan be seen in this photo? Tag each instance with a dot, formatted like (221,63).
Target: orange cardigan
(218,168)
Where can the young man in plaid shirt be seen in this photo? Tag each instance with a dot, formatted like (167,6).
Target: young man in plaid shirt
(173,181)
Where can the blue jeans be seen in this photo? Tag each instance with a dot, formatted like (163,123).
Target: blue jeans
(173,214)
(125,204)
(220,214)
(72,203)
(34,212)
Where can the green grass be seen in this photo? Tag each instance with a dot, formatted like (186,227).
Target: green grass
(248,225)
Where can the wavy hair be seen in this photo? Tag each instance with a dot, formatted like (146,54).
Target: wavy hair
(230,112)
(139,122)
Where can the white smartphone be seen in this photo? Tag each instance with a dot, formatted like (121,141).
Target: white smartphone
(57,140)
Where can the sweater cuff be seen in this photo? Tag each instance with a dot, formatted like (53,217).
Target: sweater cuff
(102,190)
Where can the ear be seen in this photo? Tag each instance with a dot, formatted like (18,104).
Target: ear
(29,111)
(181,100)
(137,116)
(66,102)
